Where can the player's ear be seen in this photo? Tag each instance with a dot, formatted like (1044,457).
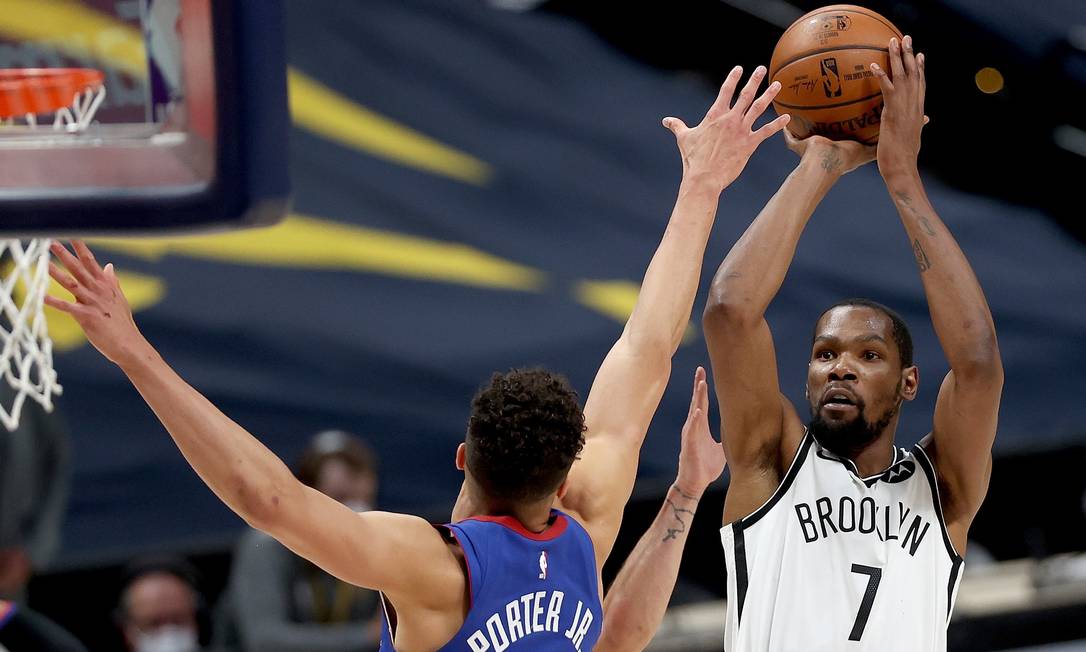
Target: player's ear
(562,488)
(910,382)
(461,456)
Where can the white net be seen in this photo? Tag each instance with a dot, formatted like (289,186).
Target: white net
(26,359)
(26,356)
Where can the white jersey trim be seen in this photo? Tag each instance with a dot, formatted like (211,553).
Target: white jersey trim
(786,482)
(956,559)
(933,482)
(740,525)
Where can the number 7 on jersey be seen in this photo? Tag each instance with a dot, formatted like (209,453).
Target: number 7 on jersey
(874,576)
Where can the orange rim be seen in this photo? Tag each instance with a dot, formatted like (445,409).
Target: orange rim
(43,90)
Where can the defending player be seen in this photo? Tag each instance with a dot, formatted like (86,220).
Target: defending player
(491,581)
(836,539)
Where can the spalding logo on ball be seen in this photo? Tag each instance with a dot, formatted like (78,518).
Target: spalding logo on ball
(823,64)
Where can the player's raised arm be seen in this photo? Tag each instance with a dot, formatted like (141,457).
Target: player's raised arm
(755,416)
(635,605)
(388,552)
(629,384)
(968,405)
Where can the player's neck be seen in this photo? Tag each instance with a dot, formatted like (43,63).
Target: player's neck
(877,456)
(535,516)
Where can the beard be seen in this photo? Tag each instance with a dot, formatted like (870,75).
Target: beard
(846,438)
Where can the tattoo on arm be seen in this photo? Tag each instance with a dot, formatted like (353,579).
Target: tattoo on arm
(676,513)
(920,217)
(682,493)
(928,228)
(830,160)
(922,260)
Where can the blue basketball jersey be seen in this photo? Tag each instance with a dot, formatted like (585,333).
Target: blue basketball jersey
(529,591)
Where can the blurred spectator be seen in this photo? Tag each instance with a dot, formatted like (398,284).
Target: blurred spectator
(161,609)
(279,602)
(33,493)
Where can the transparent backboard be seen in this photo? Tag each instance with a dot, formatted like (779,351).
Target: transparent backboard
(191,131)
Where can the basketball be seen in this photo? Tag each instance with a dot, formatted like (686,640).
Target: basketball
(823,64)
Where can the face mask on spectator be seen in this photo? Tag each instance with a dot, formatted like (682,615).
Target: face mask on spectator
(170,638)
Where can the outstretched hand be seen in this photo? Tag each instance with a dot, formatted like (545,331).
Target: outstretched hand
(100,307)
(903,112)
(701,459)
(719,147)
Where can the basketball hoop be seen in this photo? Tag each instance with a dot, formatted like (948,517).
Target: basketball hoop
(72,97)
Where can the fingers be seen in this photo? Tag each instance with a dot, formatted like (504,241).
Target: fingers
(695,397)
(746,96)
(770,128)
(675,125)
(66,281)
(87,258)
(727,90)
(74,266)
(693,400)
(923,79)
(761,104)
(908,58)
(63,306)
(897,68)
(702,395)
(701,389)
(885,84)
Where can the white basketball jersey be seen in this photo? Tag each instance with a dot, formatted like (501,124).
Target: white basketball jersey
(833,561)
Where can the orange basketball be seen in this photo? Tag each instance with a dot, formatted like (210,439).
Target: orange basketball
(823,64)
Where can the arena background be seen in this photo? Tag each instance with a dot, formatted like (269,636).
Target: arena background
(479,186)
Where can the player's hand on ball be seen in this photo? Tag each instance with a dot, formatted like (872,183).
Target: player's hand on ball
(718,148)
(835,156)
(903,112)
(100,307)
(701,458)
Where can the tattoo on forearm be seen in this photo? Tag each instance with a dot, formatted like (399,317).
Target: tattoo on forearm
(676,512)
(920,217)
(830,160)
(922,260)
(682,493)
(927,225)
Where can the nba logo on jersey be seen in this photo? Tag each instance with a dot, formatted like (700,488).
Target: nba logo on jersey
(543,565)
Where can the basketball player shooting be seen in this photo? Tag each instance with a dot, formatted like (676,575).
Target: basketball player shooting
(514,572)
(836,539)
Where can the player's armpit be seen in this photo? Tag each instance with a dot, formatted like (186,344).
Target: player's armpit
(600,484)
(398,554)
(964,430)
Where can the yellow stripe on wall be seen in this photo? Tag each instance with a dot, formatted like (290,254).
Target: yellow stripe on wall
(306,242)
(323,111)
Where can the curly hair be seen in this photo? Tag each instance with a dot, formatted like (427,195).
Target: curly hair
(525,431)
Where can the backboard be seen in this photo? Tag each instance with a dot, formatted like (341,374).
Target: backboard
(190,135)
